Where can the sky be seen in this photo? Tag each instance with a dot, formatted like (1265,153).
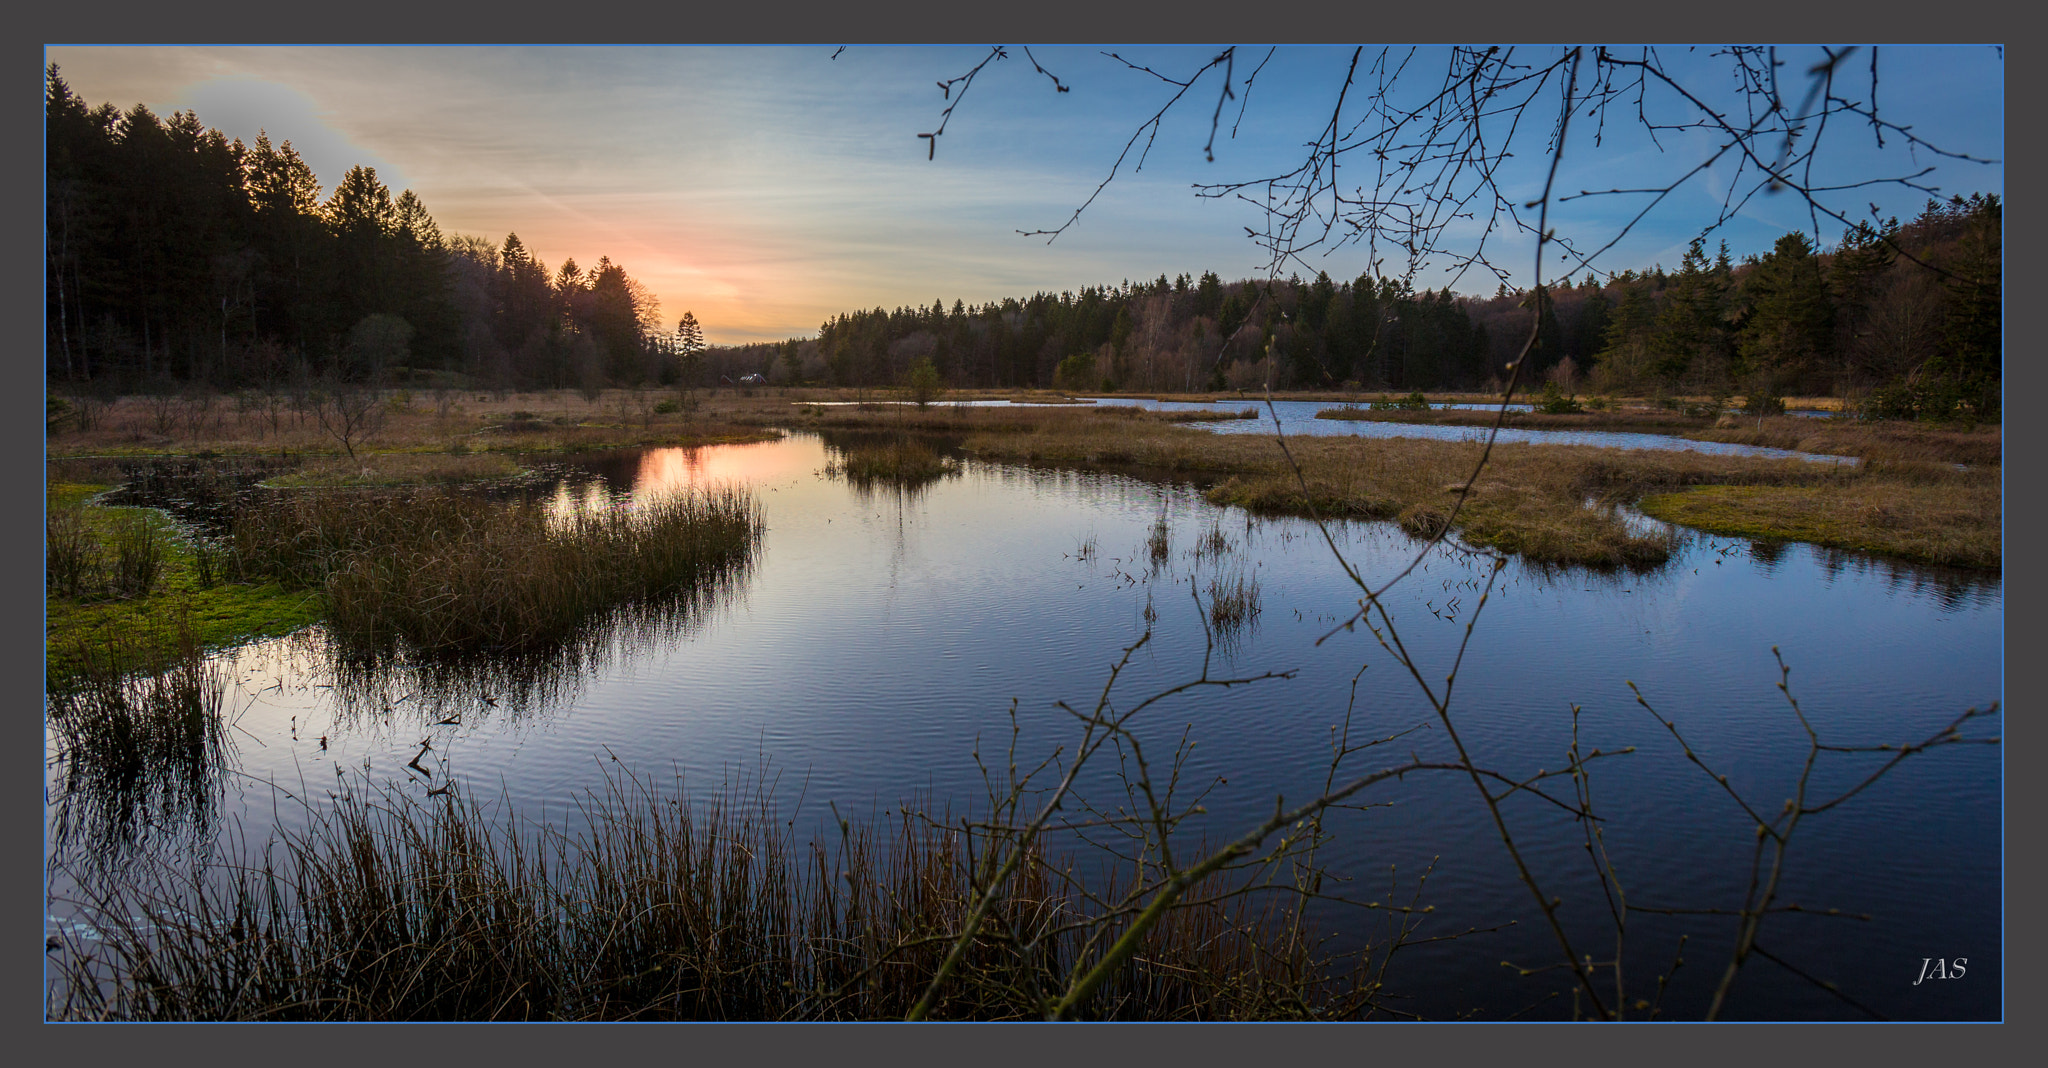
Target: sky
(766,190)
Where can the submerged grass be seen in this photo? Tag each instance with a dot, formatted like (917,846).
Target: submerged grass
(448,573)
(663,909)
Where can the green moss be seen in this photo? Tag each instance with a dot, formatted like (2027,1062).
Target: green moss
(223,615)
(66,494)
(226,615)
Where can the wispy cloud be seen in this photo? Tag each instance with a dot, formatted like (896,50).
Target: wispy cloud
(766,189)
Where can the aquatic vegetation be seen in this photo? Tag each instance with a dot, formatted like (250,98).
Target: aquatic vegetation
(138,750)
(388,908)
(904,463)
(449,573)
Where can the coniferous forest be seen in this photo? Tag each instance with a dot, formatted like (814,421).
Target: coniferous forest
(179,257)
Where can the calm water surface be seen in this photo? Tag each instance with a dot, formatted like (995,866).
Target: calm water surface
(880,636)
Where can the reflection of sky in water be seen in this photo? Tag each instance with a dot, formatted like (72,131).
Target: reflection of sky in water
(880,638)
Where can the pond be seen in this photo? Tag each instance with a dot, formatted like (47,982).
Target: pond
(1299,418)
(880,637)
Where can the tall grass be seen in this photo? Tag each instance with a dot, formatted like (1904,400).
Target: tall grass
(907,463)
(387,909)
(138,554)
(444,572)
(137,750)
(71,555)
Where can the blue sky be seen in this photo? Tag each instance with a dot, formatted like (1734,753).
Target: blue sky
(766,189)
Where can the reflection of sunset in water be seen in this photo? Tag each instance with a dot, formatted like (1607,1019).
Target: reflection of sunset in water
(664,471)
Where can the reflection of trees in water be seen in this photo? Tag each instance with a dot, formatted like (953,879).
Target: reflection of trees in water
(1951,588)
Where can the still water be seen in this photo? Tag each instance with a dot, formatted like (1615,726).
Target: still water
(881,636)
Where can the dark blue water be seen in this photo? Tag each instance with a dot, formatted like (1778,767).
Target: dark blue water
(881,637)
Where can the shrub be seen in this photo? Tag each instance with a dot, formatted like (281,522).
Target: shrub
(1554,401)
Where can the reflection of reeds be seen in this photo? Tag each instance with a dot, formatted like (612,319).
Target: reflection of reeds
(903,463)
(385,909)
(138,750)
(1213,542)
(450,574)
(1159,543)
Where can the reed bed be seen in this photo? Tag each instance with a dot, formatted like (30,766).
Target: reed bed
(392,909)
(1065,418)
(104,553)
(399,469)
(260,423)
(449,573)
(904,462)
(138,750)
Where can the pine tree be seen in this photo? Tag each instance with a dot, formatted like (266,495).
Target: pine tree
(689,346)
(1791,323)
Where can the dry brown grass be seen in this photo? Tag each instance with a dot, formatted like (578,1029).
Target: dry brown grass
(398,469)
(1837,437)
(663,909)
(1651,420)
(416,422)
(1531,499)
(1915,511)
(1868,440)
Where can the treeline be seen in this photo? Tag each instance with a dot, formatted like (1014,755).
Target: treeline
(1907,314)
(177,256)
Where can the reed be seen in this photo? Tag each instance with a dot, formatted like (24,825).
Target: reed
(138,554)
(903,462)
(391,909)
(137,749)
(1233,601)
(448,573)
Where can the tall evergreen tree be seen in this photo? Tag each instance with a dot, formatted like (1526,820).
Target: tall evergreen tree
(1790,329)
